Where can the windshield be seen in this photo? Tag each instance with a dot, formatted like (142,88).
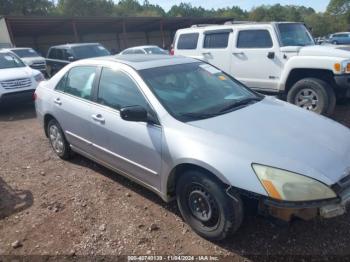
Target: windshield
(8,60)
(155,51)
(25,52)
(196,90)
(294,34)
(87,51)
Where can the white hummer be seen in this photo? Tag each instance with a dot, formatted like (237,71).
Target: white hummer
(275,58)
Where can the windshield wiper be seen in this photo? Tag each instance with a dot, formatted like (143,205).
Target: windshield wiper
(240,103)
(198,115)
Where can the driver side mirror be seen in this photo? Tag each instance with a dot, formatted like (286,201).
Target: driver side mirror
(71,58)
(134,113)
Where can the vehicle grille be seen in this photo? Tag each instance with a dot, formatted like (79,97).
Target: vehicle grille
(16,83)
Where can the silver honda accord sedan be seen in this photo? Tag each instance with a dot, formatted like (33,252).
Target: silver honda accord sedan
(188,131)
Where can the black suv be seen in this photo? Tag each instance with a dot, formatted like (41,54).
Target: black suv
(61,55)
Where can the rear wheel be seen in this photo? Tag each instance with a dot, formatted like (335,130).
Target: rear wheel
(312,94)
(206,207)
(58,142)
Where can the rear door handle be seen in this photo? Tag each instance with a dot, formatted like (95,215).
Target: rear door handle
(57,101)
(98,118)
(238,53)
(206,53)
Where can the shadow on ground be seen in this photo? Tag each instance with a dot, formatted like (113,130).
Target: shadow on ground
(13,201)
(17,112)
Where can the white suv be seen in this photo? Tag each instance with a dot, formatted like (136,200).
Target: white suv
(17,80)
(276,58)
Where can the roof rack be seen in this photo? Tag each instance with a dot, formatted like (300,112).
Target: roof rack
(202,25)
(239,22)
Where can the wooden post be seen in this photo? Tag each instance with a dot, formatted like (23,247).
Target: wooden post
(118,43)
(147,37)
(9,29)
(75,31)
(125,38)
(162,33)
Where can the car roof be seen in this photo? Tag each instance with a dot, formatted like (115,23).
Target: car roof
(74,45)
(19,48)
(142,61)
(141,47)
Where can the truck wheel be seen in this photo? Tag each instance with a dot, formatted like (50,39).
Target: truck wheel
(334,42)
(332,100)
(206,207)
(311,94)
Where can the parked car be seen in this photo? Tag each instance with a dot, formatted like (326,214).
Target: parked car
(17,80)
(146,49)
(187,130)
(339,38)
(30,57)
(274,58)
(61,55)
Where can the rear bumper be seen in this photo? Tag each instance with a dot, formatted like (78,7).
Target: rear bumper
(17,97)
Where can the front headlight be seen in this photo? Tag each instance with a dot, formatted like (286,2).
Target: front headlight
(284,185)
(343,67)
(39,77)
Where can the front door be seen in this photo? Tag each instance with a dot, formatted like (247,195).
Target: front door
(131,147)
(256,59)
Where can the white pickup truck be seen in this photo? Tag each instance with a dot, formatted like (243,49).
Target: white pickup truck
(275,58)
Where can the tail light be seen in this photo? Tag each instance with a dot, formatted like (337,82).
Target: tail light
(172,51)
(34,96)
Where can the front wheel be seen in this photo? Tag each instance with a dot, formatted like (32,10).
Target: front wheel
(206,207)
(312,94)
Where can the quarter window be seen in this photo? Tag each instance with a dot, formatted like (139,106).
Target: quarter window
(254,39)
(188,41)
(80,81)
(216,40)
(118,90)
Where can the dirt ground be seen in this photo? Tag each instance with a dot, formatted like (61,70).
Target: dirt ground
(49,206)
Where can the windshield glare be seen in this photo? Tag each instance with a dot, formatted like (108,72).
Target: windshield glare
(25,52)
(187,90)
(88,51)
(8,60)
(294,35)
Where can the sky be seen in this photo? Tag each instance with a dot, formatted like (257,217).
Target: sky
(318,5)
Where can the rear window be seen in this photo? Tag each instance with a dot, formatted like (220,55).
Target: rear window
(188,41)
(216,40)
(254,39)
(87,51)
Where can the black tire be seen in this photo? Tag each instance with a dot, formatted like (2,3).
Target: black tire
(334,42)
(65,151)
(225,213)
(332,100)
(317,89)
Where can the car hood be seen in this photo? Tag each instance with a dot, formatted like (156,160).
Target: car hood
(31,60)
(318,50)
(15,73)
(278,134)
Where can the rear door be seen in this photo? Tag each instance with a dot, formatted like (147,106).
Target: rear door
(216,47)
(72,105)
(256,60)
(56,60)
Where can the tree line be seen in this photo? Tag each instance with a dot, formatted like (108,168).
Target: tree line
(336,18)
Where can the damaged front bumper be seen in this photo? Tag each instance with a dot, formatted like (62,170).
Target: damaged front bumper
(308,210)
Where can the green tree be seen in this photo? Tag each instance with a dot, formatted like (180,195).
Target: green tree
(85,7)
(338,7)
(26,7)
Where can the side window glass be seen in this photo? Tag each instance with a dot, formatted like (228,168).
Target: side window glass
(254,39)
(80,81)
(61,86)
(188,41)
(52,53)
(138,51)
(118,90)
(59,54)
(216,40)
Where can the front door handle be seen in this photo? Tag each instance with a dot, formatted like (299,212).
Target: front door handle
(238,53)
(206,53)
(98,118)
(57,101)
